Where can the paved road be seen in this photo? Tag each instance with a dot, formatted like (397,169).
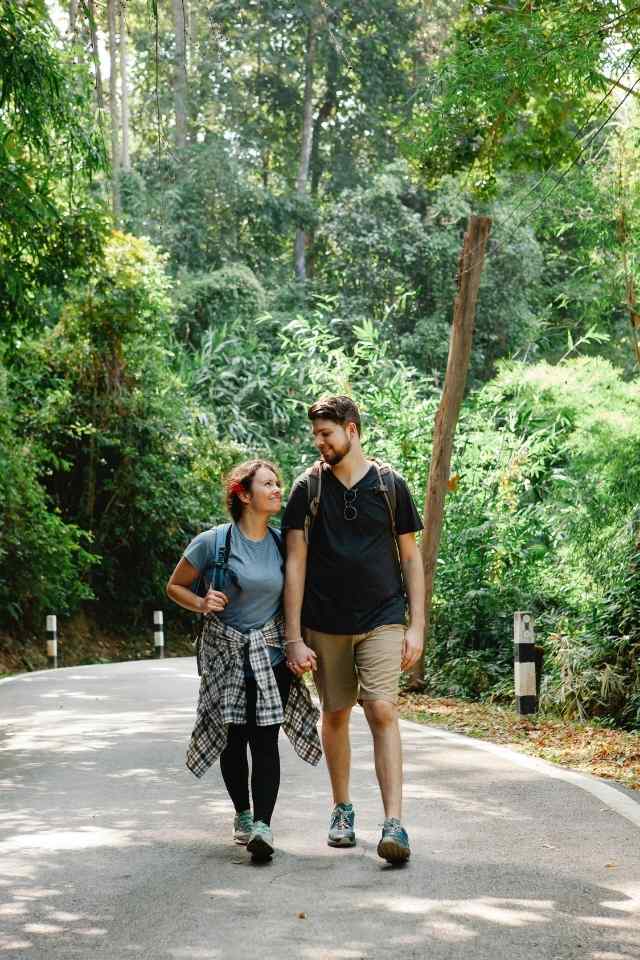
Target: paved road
(110,849)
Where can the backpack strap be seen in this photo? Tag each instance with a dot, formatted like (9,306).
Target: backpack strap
(277,536)
(313,480)
(387,487)
(221,549)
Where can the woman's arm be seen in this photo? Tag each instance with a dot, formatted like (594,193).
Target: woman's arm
(300,657)
(179,590)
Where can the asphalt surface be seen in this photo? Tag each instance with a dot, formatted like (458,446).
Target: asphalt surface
(110,848)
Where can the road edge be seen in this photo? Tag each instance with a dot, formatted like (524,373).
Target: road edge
(623,804)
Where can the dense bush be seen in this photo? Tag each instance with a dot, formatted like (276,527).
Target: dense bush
(44,561)
(130,458)
(545,518)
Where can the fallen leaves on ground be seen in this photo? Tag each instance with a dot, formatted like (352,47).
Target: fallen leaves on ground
(612,754)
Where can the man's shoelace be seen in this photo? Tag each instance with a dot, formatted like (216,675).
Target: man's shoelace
(395,830)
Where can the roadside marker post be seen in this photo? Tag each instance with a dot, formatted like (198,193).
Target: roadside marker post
(52,641)
(158,633)
(524,663)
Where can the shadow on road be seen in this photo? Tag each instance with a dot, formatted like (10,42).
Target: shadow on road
(109,847)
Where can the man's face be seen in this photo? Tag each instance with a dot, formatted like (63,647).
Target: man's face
(332,440)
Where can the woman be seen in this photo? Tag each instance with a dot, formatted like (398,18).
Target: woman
(247,691)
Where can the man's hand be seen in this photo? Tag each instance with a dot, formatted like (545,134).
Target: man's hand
(300,658)
(214,601)
(412,646)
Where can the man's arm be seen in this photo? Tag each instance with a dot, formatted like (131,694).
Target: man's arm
(413,572)
(299,656)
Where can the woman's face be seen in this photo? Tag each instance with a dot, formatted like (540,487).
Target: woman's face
(266,495)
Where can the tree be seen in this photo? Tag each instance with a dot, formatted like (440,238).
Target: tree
(125,161)
(114,112)
(180,72)
(306,139)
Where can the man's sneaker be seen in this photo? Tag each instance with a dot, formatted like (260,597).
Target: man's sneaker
(242,826)
(260,844)
(394,842)
(341,828)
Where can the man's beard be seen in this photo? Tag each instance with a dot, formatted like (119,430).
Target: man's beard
(334,458)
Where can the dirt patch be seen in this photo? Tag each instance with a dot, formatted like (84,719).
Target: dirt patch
(82,641)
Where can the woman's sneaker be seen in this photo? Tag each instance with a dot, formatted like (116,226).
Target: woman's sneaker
(341,827)
(242,826)
(394,842)
(260,844)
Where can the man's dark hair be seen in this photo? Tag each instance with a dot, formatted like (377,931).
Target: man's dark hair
(340,410)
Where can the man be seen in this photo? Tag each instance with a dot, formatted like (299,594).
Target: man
(345,607)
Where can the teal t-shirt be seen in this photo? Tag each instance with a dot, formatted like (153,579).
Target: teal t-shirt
(257,565)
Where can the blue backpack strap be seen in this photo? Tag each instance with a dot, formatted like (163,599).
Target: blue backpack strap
(277,536)
(221,548)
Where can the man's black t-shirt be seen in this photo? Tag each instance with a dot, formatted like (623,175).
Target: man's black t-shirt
(353,582)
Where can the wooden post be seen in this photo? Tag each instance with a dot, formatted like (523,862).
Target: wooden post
(464,311)
(524,663)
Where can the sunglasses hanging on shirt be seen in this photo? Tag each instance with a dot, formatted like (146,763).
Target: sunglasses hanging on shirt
(350,512)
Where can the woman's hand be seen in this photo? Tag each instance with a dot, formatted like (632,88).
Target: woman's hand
(214,601)
(300,658)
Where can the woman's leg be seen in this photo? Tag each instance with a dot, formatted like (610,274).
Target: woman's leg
(265,756)
(234,766)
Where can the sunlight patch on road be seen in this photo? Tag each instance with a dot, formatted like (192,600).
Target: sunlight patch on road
(85,839)
(505,912)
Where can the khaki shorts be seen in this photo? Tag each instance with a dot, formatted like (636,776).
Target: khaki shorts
(357,667)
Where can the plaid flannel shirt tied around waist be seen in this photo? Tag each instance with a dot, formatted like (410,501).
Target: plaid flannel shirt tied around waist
(223,697)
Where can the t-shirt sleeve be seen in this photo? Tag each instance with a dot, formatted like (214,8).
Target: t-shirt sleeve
(296,509)
(407,516)
(198,551)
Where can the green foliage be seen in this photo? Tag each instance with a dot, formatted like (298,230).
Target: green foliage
(517,85)
(206,301)
(43,560)
(49,146)
(129,457)
(398,250)
(545,519)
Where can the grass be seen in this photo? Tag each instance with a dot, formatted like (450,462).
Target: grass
(588,747)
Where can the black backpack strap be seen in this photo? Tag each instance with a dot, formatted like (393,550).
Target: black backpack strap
(313,480)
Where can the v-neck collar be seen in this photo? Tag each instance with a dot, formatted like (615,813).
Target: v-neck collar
(357,483)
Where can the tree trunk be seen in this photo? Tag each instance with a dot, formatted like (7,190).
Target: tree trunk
(93,32)
(305,148)
(469,272)
(114,113)
(73,19)
(125,162)
(180,73)
(624,238)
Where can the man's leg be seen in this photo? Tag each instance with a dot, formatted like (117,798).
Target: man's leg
(378,656)
(382,718)
(337,750)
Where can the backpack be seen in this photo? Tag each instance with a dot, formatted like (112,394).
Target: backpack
(217,568)
(386,486)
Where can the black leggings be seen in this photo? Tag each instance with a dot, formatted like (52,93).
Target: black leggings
(265,757)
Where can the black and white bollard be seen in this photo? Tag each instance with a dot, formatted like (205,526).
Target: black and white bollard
(524,663)
(52,640)
(158,633)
